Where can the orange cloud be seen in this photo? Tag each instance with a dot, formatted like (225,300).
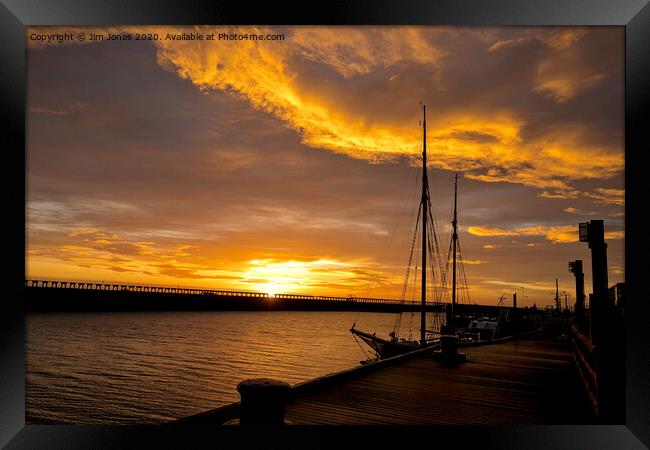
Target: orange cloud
(599,195)
(490,231)
(358,50)
(580,212)
(563,88)
(561,194)
(273,276)
(563,38)
(473,262)
(529,285)
(105,255)
(268,76)
(557,39)
(560,77)
(608,196)
(556,234)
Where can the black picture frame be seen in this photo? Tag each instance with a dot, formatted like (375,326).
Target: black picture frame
(634,15)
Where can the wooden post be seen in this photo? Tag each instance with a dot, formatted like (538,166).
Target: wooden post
(262,401)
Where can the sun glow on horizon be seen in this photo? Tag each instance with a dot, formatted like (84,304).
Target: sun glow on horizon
(285,277)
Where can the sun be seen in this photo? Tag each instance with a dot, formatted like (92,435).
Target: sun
(275,277)
(274,288)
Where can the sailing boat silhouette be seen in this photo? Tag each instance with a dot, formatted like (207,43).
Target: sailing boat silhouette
(394,344)
(464,329)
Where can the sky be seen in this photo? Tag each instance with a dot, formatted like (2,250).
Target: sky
(291,166)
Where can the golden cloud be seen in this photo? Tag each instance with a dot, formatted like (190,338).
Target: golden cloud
(580,212)
(608,196)
(264,75)
(559,77)
(355,51)
(563,38)
(599,195)
(555,78)
(275,276)
(556,234)
(107,255)
(556,39)
(268,76)
(560,194)
(563,88)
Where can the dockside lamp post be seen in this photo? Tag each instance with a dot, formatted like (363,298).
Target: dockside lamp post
(575,267)
(593,232)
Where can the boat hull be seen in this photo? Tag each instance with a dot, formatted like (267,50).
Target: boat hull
(385,348)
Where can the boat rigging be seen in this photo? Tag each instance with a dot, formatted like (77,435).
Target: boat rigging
(429,245)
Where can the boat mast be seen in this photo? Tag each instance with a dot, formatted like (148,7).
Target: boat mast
(454,238)
(425,206)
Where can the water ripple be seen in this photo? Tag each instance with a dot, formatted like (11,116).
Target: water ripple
(152,367)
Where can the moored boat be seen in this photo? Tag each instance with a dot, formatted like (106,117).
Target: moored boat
(465,329)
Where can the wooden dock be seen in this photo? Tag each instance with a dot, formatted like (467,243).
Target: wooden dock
(527,381)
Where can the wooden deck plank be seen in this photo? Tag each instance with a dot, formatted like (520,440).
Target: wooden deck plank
(526,381)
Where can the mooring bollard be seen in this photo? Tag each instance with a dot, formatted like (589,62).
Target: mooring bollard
(446,330)
(262,401)
(449,345)
(448,353)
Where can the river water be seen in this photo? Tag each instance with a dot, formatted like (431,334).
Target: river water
(153,367)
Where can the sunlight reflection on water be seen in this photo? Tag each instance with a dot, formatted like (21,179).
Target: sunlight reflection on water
(144,367)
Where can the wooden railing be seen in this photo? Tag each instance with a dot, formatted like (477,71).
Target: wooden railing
(599,356)
(584,357)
